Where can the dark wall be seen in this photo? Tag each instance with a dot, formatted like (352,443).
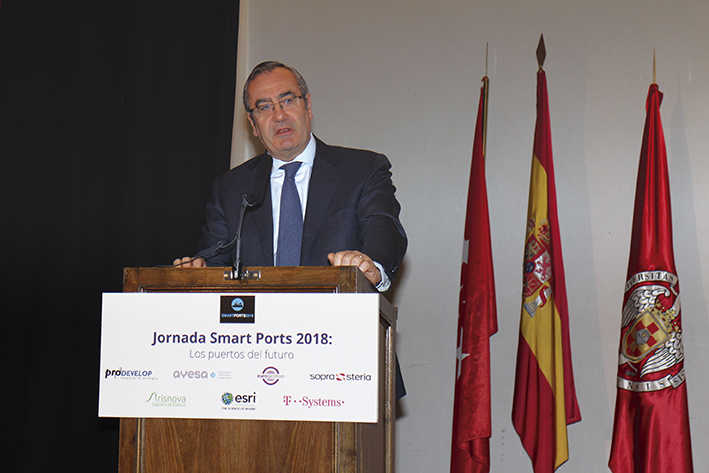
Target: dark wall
(114,119)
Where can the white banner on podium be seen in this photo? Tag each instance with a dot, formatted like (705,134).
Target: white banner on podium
(240,356)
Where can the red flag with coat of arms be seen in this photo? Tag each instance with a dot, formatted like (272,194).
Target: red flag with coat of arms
(651,426)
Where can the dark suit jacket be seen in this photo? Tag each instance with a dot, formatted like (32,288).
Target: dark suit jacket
(351,206)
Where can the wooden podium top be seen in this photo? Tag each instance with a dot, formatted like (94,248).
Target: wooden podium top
(335,279)
(260,279)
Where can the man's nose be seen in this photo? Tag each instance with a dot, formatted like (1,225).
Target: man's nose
(278,111)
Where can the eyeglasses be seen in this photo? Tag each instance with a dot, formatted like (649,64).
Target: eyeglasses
(267,107)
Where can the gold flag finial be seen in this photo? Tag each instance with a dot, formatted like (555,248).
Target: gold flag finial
(541,51)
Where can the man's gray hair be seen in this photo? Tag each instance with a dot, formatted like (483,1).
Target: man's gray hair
(268,66)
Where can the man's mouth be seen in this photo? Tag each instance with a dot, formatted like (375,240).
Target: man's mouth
(283,131)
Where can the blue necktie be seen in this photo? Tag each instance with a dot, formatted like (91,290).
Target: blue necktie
(290,221)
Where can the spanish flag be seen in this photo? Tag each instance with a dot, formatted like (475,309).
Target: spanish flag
(544,396)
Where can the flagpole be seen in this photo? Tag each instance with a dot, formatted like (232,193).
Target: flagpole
(654,69)
(486,91)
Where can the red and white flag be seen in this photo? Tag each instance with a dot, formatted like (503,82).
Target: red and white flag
(477,319)
(651,427)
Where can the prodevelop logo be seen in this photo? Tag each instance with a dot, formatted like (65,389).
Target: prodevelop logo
(341,377)
(136,373)
(237,310)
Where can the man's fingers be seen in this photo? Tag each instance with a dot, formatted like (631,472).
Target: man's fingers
(189,262)
(356,258)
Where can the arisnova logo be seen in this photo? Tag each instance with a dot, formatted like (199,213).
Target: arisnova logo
(166,400)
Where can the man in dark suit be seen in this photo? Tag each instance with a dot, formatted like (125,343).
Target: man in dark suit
(350,215)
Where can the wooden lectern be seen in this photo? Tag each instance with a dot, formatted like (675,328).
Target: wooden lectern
(253,446)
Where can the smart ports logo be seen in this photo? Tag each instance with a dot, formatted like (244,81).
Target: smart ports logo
(341,377)
(156,399)
(237,310)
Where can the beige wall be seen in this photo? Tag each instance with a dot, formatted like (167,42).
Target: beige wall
(402,78)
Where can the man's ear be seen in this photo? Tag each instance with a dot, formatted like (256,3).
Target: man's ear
(309,105)
(254,130)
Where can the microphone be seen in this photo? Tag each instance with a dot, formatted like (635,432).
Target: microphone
(248,200)
(245,204)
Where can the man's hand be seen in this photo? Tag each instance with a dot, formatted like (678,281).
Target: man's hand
(189,262)
(359,259)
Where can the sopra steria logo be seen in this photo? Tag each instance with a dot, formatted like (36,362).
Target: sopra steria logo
(341,377)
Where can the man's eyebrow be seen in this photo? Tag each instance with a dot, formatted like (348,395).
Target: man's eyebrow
(280,96)
(285,94)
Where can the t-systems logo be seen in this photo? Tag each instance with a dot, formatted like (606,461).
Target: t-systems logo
(311,402)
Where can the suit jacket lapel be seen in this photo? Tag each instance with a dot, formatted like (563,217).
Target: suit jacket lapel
(263,215)
(323,183)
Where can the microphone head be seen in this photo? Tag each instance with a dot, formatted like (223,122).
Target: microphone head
(247,200)
(252,199)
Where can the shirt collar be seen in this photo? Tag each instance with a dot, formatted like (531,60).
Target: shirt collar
(307,156)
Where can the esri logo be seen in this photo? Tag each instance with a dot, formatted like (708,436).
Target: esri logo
(238,402)
(227,398)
